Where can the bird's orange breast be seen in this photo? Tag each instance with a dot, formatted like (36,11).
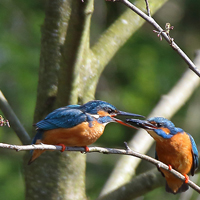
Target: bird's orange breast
(177,152)
(80,135)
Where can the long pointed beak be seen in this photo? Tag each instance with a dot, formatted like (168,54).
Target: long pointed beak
(145,124)
(119,112)
(123,123)
(128,114)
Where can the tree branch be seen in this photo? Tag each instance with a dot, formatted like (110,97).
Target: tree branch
(150,20)
(137,187)
(68,175)
(71,86)
(148,8)
(13,120)
(113,39)
(75,55)
(57,16)
(119,32)
(103,150)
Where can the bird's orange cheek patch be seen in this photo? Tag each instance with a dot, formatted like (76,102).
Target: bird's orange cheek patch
(102,113)
(166,130)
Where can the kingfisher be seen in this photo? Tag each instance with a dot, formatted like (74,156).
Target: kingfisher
(76,125)
(174,147)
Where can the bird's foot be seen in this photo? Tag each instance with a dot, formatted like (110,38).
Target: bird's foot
(170,167)
(86,149)
(63,147)
(186,178)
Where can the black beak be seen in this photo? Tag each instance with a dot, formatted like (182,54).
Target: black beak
(128,114)
(125,114)
(145,124)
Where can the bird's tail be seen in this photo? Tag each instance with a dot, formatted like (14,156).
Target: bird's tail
(183,188)
(36,140)
(35,154)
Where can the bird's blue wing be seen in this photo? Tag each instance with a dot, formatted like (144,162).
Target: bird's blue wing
(195,155)
(65,117)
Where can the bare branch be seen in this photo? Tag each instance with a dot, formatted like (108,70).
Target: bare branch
(115,37)
(14,121)
(103,150)
(168,27)
(164,34)
(148,8)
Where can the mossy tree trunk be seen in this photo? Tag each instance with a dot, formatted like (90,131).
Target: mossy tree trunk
(55,175)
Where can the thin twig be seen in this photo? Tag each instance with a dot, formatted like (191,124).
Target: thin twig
(13,120)
(164,34)
(127,151)
(168,27)
(148,8)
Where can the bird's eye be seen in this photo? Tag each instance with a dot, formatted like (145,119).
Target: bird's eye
(158,124)
(109,110)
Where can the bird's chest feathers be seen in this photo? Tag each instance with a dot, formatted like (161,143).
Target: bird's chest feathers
(176,151)
(81,135)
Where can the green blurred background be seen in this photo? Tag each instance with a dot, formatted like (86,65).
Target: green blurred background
(139,74)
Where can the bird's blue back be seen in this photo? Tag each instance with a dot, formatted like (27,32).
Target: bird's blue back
(72,115)
(65,117)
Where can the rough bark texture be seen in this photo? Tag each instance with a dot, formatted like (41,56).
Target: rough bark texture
(53,175)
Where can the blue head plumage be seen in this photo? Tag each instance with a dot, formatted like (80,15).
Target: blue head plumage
(93,107)
(161,122)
